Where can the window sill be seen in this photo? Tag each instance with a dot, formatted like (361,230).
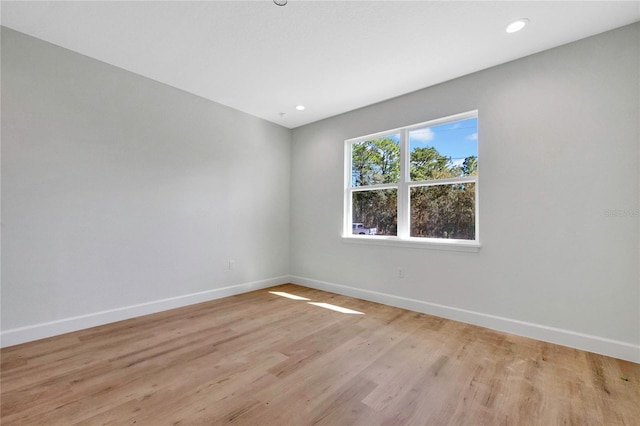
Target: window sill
(417,243)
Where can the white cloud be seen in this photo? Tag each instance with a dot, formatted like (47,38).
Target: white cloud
(473,137)
(422,135)
(457,162)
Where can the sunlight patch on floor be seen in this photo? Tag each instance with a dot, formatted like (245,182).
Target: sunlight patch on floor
(335,308)
(288,295)
(319,304)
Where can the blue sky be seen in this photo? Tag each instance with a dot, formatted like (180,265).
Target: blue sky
(458,139)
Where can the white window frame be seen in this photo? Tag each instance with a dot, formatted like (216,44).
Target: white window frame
(403,239)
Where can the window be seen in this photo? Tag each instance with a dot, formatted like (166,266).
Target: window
(418,184)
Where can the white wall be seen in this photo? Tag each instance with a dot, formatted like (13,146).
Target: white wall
(559,139)
(119,191)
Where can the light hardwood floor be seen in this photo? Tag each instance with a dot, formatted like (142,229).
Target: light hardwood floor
(263,359)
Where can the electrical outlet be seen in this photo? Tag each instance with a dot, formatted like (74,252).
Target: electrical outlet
(400,272)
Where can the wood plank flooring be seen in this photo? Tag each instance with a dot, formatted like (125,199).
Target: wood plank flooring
(263,359)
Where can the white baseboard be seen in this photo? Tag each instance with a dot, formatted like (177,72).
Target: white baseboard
(600,345)
(595,344)
(53,328)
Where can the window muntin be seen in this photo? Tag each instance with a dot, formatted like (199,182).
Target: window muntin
(418,183)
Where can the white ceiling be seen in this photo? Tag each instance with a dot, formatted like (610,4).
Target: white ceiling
(331,56)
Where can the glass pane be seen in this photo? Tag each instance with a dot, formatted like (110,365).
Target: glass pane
(443,211)
(375,212)
(444,151)
(376,161)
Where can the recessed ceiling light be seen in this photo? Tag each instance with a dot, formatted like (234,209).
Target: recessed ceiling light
(300,107)
(280,2)
(517,25)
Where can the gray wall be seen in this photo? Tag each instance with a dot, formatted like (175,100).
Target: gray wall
(118,190)
(558,148)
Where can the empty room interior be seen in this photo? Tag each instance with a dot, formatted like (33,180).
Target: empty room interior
(314,212)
